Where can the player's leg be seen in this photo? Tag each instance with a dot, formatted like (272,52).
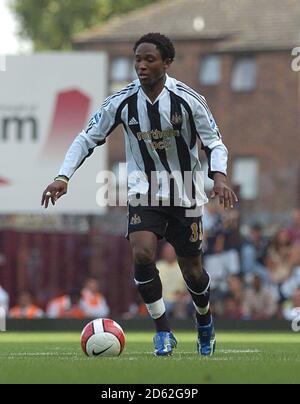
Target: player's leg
(198,284)
(185,234)
(144,245)
(146,275)
(146,225)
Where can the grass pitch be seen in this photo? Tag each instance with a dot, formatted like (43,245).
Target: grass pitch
(240,358)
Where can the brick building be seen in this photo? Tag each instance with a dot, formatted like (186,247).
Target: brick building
(238,53)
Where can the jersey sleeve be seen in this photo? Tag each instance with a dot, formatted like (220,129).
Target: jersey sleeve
(106,119)
(211,139)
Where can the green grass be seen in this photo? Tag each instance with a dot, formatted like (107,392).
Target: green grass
(240,358)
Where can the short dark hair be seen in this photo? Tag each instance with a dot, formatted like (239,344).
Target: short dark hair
(163,44)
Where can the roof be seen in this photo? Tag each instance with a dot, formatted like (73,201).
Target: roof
(240,24)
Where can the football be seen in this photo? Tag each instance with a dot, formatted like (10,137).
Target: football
(102,337)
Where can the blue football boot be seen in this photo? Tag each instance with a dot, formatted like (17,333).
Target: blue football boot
(206,344)
(164,343)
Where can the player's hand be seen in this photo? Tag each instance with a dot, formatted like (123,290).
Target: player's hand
(54,191)
(227,198)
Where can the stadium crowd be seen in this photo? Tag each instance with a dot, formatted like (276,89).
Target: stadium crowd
(255,270)
(255,274)
(88,302)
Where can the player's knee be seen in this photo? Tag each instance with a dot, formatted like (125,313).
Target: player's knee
(143,256)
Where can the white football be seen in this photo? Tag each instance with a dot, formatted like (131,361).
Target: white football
(102,337)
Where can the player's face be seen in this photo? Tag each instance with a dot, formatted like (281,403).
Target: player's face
(149,65)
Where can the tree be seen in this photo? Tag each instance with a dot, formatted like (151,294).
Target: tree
(51,24)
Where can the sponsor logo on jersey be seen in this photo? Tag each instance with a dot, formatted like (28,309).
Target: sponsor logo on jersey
(158,134)
(163,145)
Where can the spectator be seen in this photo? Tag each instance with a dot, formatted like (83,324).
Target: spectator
(223,241)
(230,302)
(236,289)
(183,307)
(280,258)
(253,253)
(231,229)
(294,230)
(66,306)
(137,309)
(212,223)
(74,310)
(25,308)
(93,303)
(4,299)
(57,306)
(259,302)
(232,308)
(291,309)
(211,219)
(288,288)
(220,263)
(175,291)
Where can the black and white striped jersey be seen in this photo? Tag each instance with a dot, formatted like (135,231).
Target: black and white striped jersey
(161,140)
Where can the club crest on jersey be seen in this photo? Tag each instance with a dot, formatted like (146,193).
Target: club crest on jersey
(135,220)
(176,120)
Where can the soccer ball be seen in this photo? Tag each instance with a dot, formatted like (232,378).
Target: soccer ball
(102,337)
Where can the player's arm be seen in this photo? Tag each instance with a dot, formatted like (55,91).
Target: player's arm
(216,152)
(99,127)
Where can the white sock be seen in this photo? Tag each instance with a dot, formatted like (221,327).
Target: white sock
(156,309)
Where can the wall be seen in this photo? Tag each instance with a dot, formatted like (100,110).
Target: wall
(48,263)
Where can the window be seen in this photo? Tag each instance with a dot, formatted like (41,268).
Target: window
(244,74)
(246,174)
(121,69)
(133,75)
(122,73)
(210,70)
